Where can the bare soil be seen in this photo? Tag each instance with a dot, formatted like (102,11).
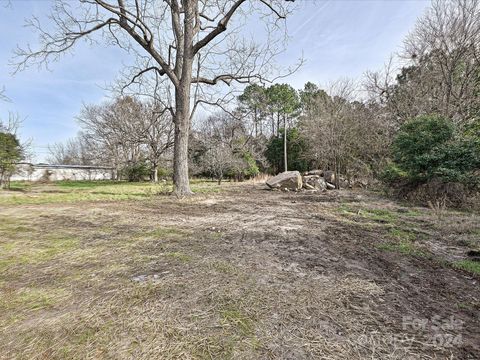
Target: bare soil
(245,273)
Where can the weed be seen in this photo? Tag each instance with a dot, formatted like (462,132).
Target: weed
(239,319)
(223,267)
(380,215)
(468,265)
(402,235)
(168,232)
(177,255)
(438,206)
(403,247)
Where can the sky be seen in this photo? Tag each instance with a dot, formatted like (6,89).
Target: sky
(337,38)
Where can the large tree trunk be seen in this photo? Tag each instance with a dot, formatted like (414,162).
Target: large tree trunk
(180,152)
(181,181)
(155,173)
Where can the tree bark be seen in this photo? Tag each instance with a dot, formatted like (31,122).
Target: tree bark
(255,122)
(180,152)
(181,181)
(273,125)
(155,173)
(337,174)
(278,124)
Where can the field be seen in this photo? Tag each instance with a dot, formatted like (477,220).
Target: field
(125,271)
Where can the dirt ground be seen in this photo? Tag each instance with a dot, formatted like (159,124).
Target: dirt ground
(243,273)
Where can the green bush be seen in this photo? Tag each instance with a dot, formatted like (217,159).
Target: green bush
(136,172)
(164,173)
(428,148)
(392,174)
(251,168)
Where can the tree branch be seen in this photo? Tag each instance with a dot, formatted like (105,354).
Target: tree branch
(221,27)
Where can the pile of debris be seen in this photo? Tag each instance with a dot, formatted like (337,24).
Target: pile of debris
(314,180)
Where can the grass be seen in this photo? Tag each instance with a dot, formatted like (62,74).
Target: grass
(475,232)
(412,213)
(402,247)
(403,235)
(32,298)
(237,318)
(180,256)
(377,215)
(468,265)
(170,232)
(20,185)
(78,191)
(223,267)
(32,250)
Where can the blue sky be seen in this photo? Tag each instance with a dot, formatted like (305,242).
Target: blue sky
(337,39)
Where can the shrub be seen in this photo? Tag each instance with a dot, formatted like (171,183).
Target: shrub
(432,161)
(164,173)
(417,147)
(393,175)
(251,168)
(136,172)
(428,147)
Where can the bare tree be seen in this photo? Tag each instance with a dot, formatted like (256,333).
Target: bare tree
(115,128)
(156,134)
(226,143)
(218,160)
(185,41)
(76,151)
(445,50)
(122,132)
(344,134)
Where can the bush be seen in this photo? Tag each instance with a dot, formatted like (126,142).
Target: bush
(428,148)
(164,173)
(251,168)
(393,175)
(433,161)
(417,147)
(136,172)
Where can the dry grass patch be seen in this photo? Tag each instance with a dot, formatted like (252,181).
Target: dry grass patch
(159,279)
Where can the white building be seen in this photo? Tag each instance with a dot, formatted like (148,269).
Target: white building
(45,172)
